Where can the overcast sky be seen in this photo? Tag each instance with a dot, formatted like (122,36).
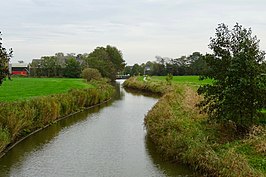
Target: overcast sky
(141,29)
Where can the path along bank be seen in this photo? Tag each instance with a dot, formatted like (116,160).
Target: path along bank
(182,134)
(21,118)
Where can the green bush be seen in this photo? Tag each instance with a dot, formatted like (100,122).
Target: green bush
(91,74)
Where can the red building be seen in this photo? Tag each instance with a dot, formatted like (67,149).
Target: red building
(19,68)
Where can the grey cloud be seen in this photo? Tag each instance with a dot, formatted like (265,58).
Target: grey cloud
(142,28)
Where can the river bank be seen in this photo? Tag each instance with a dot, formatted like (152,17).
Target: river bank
(19,119)
(182,134)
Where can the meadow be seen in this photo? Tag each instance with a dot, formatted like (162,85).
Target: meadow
(26,88)
(189,80)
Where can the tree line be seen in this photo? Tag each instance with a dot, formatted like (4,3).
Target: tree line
(107,60)
(193,64)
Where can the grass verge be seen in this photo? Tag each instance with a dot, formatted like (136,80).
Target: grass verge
(182,134)
(188,80)
(17,119)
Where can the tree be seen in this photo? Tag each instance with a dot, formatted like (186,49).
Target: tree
(50,66)
(235,94)
(116,57)
(197,64)
(137,70)
(72,69)
(4,60)
(107,60)
(91,74)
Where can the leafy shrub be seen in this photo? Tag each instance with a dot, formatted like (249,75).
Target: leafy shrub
(91,74)
(236,94)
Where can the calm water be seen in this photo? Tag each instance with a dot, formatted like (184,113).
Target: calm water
(106,141)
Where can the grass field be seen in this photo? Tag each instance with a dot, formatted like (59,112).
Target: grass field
(190,80)
(25,88)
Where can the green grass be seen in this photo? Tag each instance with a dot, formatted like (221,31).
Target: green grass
(26,88)
(190,80)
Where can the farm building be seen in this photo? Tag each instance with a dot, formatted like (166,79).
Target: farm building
(19,68)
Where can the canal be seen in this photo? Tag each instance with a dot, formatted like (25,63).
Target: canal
(105,141)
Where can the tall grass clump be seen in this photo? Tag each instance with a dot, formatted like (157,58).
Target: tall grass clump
(147,86)
(22,117)
(184,135)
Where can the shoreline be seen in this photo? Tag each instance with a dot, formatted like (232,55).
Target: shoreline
(11,146)
(21,119)
(182,134)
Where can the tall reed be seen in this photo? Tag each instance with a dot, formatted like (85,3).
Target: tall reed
(22,117)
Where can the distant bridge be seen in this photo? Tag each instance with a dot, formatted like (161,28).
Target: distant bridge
(122,76)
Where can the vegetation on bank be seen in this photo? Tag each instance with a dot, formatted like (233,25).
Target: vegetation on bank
(26,88)
(238,92)
(19,118)
(4,59)
(182,134)
(189,80)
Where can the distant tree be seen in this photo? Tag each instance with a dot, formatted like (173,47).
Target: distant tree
(50,66)
(197,64)
(72,68)
(127,70)
(108,61)
(137,70)
(182,65)
(236,93)
(4,61)
(116,57)
(35,68)
(91,74)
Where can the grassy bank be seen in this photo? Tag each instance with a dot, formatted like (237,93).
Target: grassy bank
(19,118)
(26,88)
(188,80)
(182,134)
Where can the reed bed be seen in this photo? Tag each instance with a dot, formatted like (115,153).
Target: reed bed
(20,118)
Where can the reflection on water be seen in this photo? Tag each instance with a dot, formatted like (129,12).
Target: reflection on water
(107,140)
(168,168)
(138,92)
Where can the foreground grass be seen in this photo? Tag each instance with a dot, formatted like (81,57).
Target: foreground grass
(26,88)
(19,118)
(181,133)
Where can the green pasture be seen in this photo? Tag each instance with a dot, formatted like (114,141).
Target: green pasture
(25,88)
(190,80)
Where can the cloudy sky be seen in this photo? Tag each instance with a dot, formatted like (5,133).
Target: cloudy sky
(141,29)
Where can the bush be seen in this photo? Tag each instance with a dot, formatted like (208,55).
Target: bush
(91,74)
